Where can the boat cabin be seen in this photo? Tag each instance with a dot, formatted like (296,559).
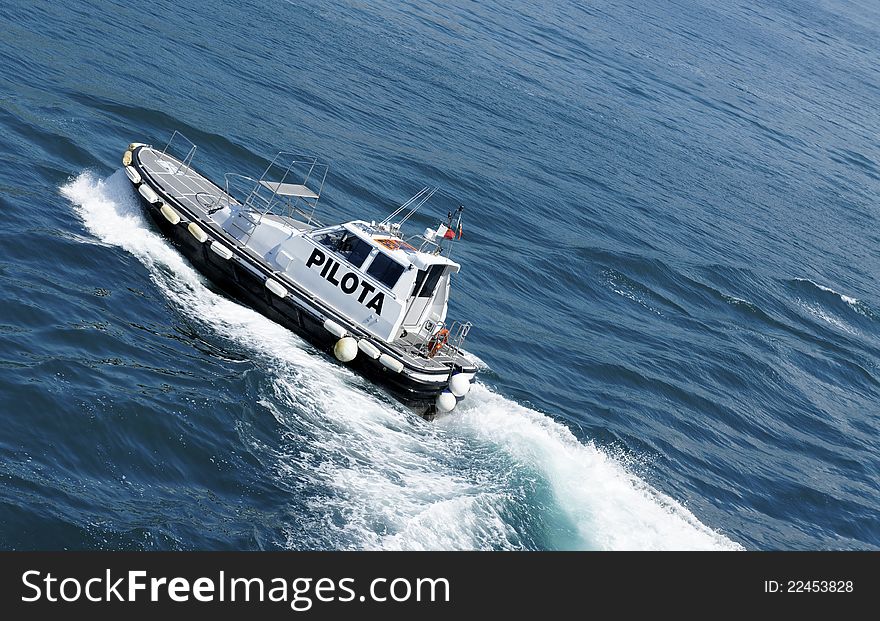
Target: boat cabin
(371,276)
(365,271)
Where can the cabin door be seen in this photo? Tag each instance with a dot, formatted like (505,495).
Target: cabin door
(415,311)
(422,295)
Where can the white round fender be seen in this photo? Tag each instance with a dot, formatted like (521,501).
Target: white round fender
(346,349)
(126,158)
(445,401)
(459,384)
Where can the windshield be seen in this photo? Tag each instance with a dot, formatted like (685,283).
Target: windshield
(386,270)
(347,245)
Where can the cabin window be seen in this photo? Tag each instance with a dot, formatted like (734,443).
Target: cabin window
(420,279)
(350,247)
(385,269)
(430,284)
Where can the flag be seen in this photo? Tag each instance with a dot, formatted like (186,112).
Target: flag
(459,229)
(445,232)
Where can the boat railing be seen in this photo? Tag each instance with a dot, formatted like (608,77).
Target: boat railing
(237,195)
(458,332)
(286,188)
(238,189)
(186,160)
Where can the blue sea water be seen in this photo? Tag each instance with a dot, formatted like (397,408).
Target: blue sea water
(670,256)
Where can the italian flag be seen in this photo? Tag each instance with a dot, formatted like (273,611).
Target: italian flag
(445,232)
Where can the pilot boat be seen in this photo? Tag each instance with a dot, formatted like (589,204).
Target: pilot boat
(361,290)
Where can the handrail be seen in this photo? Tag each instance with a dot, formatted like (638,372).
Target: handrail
(186,161)
(285,163)
(458,331)
(459,334)
(229,196)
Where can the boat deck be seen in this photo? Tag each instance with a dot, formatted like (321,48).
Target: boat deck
(183,183)
(413,347)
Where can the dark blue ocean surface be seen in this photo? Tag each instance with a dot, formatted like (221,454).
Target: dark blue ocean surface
(670,256)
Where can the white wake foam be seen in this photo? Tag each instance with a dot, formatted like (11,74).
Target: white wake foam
(611,508)
(386,479)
